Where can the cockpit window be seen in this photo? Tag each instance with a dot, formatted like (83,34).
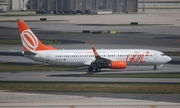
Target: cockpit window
(162,54)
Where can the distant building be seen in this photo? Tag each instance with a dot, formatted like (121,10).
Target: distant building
(18,4)
(3,4)
(116,6)
(13,4)
(159,4)
(59,5)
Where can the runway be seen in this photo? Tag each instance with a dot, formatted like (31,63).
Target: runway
(73,76)
(13,99)
(163,38)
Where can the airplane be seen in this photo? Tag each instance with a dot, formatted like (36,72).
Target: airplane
(94,59)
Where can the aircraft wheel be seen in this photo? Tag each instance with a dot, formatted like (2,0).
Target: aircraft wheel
(155,67)
(90,69)
(98,69)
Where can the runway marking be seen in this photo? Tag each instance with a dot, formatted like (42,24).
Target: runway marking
(85,67)
(72,106)
(153,106)
(90,96)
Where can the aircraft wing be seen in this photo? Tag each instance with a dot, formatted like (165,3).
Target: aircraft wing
(99,61)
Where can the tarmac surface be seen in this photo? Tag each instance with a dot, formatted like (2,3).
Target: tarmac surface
(134,39)
(74,76)
(162,37)
(12,99)
(169,16)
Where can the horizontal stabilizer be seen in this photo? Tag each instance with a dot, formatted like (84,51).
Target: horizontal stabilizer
(11,54)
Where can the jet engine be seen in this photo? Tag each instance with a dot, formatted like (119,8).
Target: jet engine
(118,65)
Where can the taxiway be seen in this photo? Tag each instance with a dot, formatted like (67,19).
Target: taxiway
(12,99)
(164,37)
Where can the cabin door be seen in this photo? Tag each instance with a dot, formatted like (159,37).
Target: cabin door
(155,56)
(47,57)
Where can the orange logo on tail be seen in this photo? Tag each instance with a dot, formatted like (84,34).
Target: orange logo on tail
(29,41)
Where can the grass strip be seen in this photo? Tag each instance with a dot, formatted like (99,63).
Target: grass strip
(172,53)
(92,87)
(139,75)
(18,42)
(4,67)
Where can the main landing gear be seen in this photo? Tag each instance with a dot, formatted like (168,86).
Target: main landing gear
(155,67)
(96,69)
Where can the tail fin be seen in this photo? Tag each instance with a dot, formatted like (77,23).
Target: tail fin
(29,40)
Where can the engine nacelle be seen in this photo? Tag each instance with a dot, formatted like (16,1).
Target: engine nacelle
(118,65)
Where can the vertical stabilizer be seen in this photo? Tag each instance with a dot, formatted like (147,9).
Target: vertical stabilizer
(29,41)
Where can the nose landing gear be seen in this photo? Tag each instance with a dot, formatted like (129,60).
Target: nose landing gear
(155,67)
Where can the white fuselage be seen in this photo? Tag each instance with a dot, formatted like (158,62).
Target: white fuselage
(95,59)
(136,57)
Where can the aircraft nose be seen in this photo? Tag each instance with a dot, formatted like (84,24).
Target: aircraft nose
(168,59)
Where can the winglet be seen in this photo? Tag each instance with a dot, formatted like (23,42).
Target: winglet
(95,53)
